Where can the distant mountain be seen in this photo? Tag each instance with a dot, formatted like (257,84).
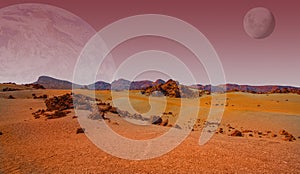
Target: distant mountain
(137,85)
(122,84)
(100,85)
(248,88)
(52,83)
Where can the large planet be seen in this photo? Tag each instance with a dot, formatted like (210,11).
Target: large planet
(39,39)
(259,23)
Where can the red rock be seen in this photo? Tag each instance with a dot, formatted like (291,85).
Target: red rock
(236,133)
(80,130)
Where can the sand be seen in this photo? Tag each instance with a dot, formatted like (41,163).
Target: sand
(31,145)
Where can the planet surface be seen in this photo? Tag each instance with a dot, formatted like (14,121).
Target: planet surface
(259,23)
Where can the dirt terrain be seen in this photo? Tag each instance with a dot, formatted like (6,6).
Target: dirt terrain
(42,145)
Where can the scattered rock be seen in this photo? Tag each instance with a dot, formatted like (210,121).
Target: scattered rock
(104,107)
(221,130)
(57,114)
(289,138)
(80,130)
(236,133)
(114,110)
(74,117)
(283,132)
(247,131)
(177,126)
(287,135)
(164,122)
(35,86)
(123,113)
(273,135)
(155,120)
(11,97)
(96,115)
(40,97)
(59,103)
(9,89)
(250,135)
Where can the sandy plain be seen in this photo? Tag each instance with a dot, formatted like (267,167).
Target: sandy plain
(30,145)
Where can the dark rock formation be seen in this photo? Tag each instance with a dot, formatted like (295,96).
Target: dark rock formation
(236,133)
(170,88)
(80,130)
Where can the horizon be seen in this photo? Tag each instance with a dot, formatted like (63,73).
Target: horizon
(165,80)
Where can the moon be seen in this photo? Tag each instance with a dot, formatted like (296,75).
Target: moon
(259,23)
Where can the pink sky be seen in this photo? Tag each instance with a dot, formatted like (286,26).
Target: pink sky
(273,60)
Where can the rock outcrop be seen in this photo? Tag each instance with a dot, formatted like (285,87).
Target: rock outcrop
(170,88)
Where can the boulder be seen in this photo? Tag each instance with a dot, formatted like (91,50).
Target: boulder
(11,97)
(155,120)
(80,130)
(221,130)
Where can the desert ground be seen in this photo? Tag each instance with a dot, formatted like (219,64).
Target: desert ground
(30,145)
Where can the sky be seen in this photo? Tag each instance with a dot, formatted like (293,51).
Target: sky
(245,60)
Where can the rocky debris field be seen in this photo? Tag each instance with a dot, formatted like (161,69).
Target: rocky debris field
(59,106)
(235,132)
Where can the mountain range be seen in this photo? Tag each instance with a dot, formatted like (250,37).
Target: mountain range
(122,84)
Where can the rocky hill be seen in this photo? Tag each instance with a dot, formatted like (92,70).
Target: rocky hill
(170,88)
(52,83)
(268,89)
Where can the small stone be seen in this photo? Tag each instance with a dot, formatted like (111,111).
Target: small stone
(236,133)
(283,132)
(247,131)
(80,130)
(11,97)
(177,126)
(273,135)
